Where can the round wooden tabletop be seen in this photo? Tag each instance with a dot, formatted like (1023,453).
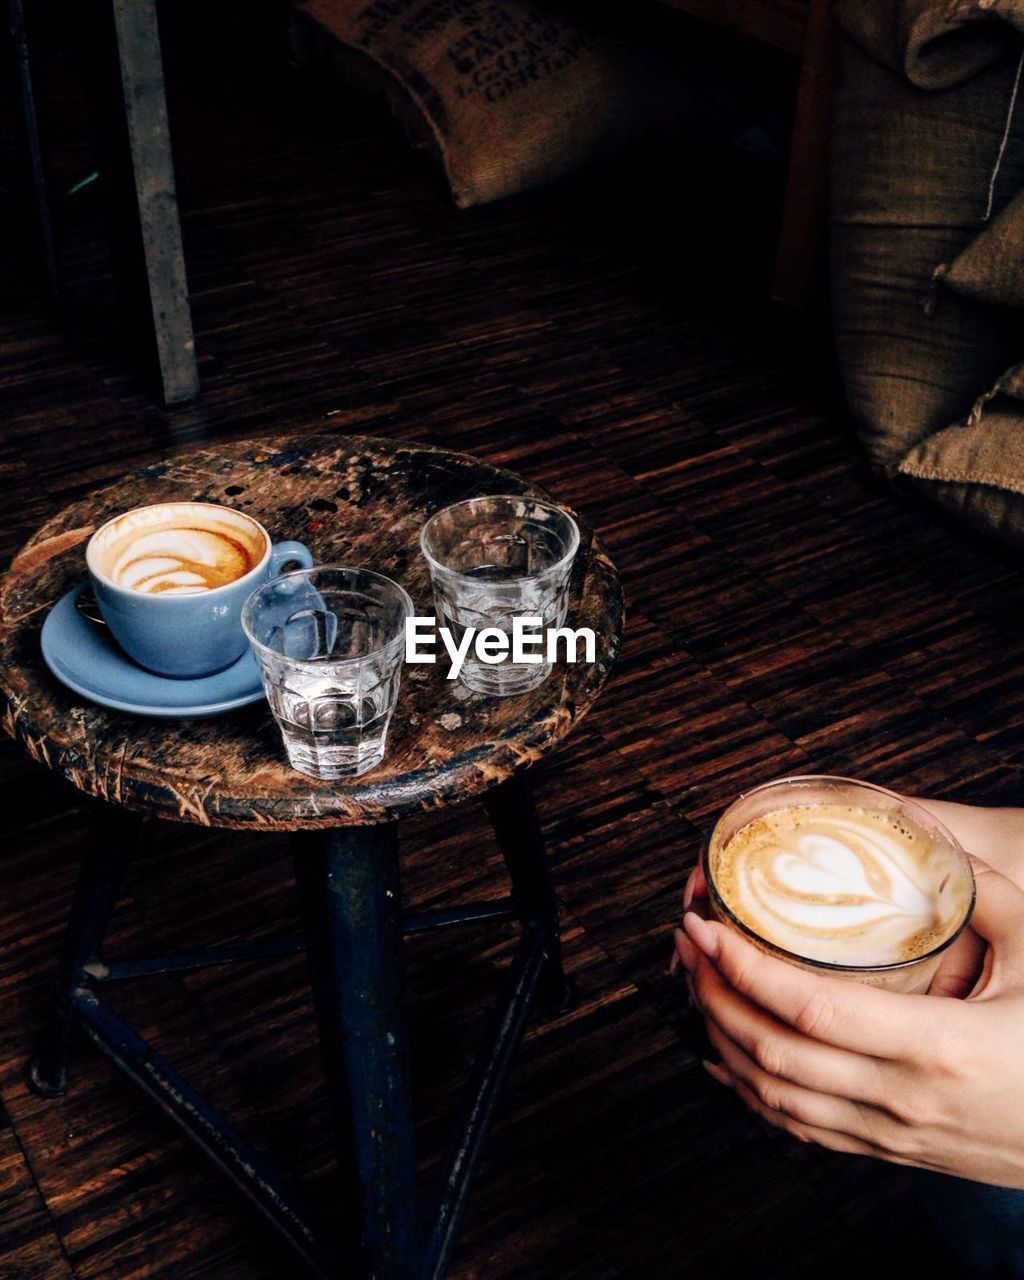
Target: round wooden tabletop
(354,501)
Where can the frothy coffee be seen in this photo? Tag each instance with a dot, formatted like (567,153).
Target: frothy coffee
(178,548)
(842,884)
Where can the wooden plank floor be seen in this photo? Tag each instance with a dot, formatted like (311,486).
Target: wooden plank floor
(608,339)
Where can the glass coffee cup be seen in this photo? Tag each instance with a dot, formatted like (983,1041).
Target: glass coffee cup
(839,877)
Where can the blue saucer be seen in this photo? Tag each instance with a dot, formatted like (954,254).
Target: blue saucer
(84,656)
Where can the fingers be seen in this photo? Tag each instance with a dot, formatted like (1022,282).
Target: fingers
(696,887)
(847,1015)
(999,916)
(683,953)
(695,894)
(783,1054)
(805,1106)
(960,968)
(830,1138)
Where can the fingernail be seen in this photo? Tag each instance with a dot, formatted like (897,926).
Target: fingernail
(701,934)
(685,952)
(720,1074)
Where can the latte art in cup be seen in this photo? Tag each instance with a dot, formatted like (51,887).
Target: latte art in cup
(843,884)
(179,549)
(839,876)
(170,580)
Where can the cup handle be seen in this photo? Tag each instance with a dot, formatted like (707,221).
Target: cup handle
(285,553)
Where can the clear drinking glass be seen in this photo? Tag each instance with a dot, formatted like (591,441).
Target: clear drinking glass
(913,974)
(492,560)
(330,643)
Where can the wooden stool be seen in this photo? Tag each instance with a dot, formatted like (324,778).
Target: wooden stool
(358,502)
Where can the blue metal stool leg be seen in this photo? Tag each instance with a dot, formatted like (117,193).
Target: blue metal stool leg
(348,886)
(112,836)
(517,828)
(349,894)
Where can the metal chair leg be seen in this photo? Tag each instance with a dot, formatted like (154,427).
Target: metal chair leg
(123,63)
(348,886)
(517,828)
(112,837)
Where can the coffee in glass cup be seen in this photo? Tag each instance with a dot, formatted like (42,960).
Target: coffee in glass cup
(840,877)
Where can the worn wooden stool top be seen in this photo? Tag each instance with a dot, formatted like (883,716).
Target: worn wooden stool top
(353,501)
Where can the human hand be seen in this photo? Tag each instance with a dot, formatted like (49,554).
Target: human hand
(911,1079)
(997,836)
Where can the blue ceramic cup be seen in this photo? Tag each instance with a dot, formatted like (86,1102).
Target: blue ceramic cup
(170,580)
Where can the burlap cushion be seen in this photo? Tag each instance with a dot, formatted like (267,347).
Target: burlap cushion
(506,94)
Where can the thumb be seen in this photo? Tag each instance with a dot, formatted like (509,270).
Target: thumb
(998,907)
(999,919)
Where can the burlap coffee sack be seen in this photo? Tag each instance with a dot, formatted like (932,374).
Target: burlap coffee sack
(975,469)
(932,43)
(991,268)
(913,175)
(928,247)
(508,95)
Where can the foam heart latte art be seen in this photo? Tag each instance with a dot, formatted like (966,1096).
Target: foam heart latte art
(842,884)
